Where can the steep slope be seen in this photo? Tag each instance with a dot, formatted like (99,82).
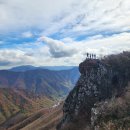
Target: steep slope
(22,93)
(44,119)
(113,114)
(7,107)
(14,103)
(99,97)
(41,82)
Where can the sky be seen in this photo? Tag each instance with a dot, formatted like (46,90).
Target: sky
(61,32)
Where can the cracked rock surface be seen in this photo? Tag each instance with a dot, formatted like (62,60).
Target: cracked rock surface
(94,85)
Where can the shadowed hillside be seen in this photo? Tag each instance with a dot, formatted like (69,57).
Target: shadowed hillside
(41,82)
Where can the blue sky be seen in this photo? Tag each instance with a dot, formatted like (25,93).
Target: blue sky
(45,32)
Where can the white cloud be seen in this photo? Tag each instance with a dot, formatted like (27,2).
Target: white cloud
(105,25)
(14,57)
(107,45)
(58,49)
(29,14)
(67,17)
(27,34)
(55,52)
(97,16)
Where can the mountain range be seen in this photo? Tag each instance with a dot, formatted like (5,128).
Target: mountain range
(40,81)
(27,89)
(30,67)
(100,99)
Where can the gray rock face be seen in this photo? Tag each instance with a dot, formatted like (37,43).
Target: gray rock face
(95,84)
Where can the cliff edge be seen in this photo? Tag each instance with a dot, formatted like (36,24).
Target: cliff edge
(101,83)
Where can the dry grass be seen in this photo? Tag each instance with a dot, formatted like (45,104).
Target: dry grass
(116,115)
(46,119)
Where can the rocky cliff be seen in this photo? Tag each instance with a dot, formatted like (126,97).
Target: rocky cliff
(101,81)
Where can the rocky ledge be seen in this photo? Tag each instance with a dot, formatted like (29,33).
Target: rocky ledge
(99,82)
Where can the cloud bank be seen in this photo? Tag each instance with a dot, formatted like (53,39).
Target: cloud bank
(60,33)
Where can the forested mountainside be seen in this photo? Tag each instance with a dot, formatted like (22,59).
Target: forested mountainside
(41,81)
(100,99)
(25,93)
(20,104)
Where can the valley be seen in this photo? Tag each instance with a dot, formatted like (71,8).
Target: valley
(33,95)
(43,119)
(41,81)
(64,64)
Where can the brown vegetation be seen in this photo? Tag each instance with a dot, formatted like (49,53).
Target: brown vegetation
(45,119)
(16,105)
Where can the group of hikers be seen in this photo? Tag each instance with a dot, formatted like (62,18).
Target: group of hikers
(91,56)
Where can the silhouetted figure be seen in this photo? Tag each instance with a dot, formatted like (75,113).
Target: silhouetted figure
(94,56)
(87,55)
(90,56)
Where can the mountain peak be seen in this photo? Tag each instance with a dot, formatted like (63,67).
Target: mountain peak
(100,80)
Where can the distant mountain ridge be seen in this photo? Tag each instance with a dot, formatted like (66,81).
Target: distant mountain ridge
(30,67)
(41,81)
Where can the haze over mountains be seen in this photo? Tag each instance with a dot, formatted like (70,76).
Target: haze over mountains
(40,81)
(27,89)
(44,41)
(29,98)
(30,67)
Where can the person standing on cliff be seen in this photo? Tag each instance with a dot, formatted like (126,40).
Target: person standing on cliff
(90,56)
(87,55)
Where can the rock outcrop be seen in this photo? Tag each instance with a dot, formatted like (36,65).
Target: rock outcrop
(98,82)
